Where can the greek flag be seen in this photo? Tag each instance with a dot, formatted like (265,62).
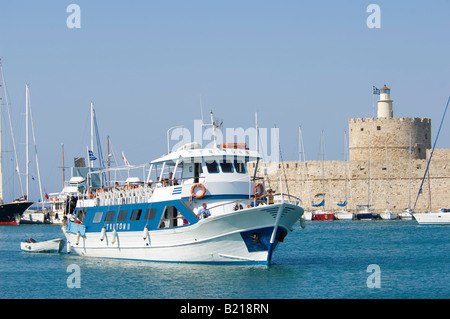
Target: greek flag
(375,90)
(91,156)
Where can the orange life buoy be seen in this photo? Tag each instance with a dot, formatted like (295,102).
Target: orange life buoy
(195,195)
(258,190)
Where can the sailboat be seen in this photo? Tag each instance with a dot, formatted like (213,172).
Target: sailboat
(63,203)
(388,214)
(322,214)
(363,211)
(441,217)
(307,215)
(344,214)
(32,216)
(10,212)
(406,214)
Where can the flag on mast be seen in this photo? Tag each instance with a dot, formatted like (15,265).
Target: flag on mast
(91,156)
(375,90)
(125,160)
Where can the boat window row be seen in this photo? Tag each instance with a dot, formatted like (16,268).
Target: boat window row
(136,215)
(226,167)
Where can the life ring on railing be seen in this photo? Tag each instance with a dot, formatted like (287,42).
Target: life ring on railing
(195,195)
(258,190)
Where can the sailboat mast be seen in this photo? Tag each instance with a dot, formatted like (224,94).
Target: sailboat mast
(300,161)
(27,161)
(410,171)
(323,173)
(368,176)
(1,175)
(91,163)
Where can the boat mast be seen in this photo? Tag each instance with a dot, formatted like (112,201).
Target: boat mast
(410,171)
(346,165)
(35,153)
(91,163)
(323,173)
(1,175)
(63,168)
(300,162)
(388,189)
(27,161)
(368,176)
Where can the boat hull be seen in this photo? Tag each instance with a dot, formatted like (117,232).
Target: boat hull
(49,246)
(388,215)
(365,215)
(439,218)
(343,215)
(323,216)
(405,216)
(11,212)
(32,218)
(244,237)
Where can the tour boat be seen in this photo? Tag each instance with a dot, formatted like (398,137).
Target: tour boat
(193,205)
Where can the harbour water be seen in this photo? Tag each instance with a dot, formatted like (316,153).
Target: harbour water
(326,260)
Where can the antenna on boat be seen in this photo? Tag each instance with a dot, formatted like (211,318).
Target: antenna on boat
(201,108)
(215,124)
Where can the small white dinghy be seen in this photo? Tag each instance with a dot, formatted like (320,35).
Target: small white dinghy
(49,246)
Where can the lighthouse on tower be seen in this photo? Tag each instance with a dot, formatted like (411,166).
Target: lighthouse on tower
(403,137)
(385,103)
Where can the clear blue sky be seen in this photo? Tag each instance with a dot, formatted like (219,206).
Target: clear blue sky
(146,63)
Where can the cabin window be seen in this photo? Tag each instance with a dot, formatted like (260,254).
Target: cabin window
(378,128)
(136,214)
(212,167)
(150,214)
(97,217)
(110,216)
(240,167)
(226,167)
(122,216)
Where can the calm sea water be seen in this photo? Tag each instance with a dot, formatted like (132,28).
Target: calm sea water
(328,259)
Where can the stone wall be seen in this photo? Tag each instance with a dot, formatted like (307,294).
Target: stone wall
(403,189)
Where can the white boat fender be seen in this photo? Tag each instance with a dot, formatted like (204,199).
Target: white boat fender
(114,236)
(103,234)
(302,222)
(145,235)
(78,238)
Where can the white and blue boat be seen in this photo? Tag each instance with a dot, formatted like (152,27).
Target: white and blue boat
(155,218)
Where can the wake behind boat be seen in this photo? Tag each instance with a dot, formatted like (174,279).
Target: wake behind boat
(196,205)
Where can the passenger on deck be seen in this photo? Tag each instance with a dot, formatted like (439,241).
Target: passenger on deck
(238,206)
(203,212)
(172,181)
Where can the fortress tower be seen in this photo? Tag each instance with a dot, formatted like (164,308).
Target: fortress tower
(398,132)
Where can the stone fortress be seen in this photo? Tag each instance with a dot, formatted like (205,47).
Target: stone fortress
(387,161)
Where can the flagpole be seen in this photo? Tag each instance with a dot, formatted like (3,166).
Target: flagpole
(373,105)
